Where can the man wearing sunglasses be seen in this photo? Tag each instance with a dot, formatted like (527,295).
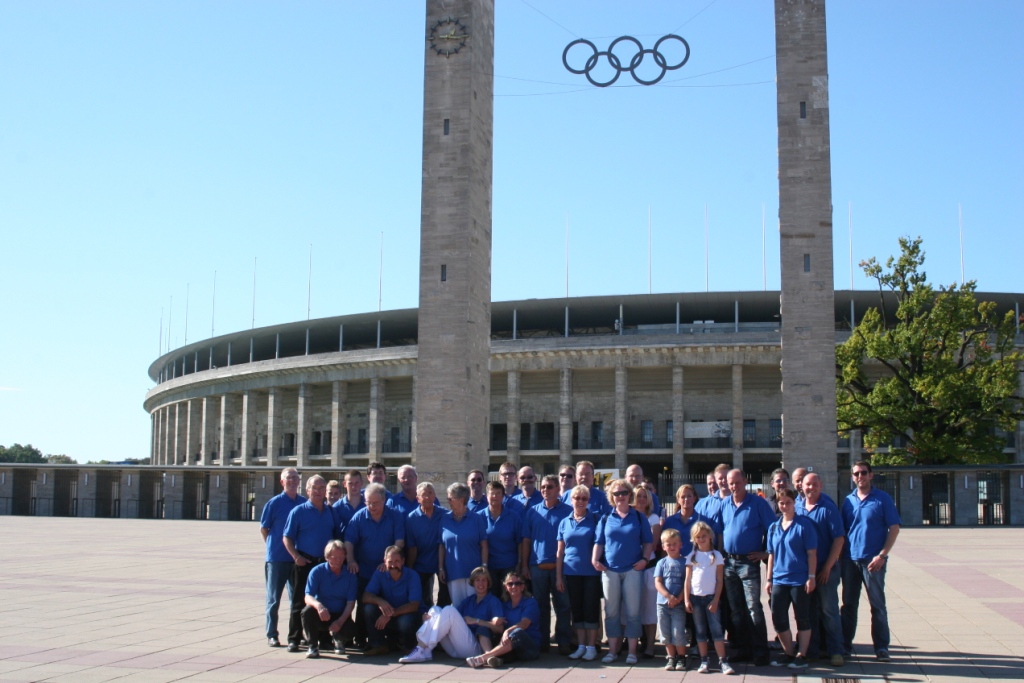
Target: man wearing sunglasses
(477,496)
(872,525)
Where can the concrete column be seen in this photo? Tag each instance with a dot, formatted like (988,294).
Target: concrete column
(737,417)
(248,427)
(168,436)
(227,433)
(678,424)
(512,428)
(565,418)
(158,425)
(180,432)
(273,427)
(911,498)
(208,444)
(153,439)
(412,424)
(376,418)
(194,428)
(339,421)
(965,498)
(621,412)
(302,421)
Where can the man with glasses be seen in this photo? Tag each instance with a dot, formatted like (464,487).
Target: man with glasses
(566,479)
(508,477)
(477,496)
(779,482)
(528,495)
(377,473)
(279,567)
(539,553)
(598,500)
(872,525)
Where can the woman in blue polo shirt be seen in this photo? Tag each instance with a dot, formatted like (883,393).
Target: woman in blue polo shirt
(521,638)
(463,545)
(504,535)
(575,571)
(792,551)
(623,542)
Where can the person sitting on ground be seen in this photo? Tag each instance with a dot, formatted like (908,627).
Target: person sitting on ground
(521,638)
(330,597)
(391,604)
(464,632)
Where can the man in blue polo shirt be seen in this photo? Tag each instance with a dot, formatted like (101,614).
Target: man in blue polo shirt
(351,500)
(405,500)
(370,532)
(507,476)
(377,473)
(746,518)
(828,523)
(539,553)
(599,504)
(330,597)
(309,528)
(422,536)
(477,496)
(391,604)
(279,567)
(528,494)
(635,476)
(872,525)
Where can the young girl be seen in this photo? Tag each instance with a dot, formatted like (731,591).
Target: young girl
(702,588)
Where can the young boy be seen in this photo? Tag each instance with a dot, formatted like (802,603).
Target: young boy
(669,579)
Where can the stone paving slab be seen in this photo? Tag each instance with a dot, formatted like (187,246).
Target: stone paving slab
(155,601)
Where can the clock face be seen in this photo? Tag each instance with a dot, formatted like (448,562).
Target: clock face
(447,36)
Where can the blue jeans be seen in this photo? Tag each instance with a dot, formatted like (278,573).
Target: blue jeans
(545,592)
(277,576)
(403,627)
(825,615)
(743,589)
(672,623)
(622,589)
(855,573)
(524,648)
(704,620)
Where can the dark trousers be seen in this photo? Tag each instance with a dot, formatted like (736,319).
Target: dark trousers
(299,576)
(584,600)
(403,627)
(361,631)
(427,588)
(749,633)
(317,630)
(497,580)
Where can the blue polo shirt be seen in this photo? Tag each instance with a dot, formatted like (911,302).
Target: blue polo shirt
(485,610)
(540,525)
(311,529)
(273,518)
(788,548)
(800,499)
(745,527)
(514,505)
(684,527)
(477,505)
(598,504)
(622,539)
(461,540)
(424,534)
(405,589)
(402,504)
(536,499)
(578,538)
(828,523)
(528,608)
(504,535)
(673,575)
(345,510)
(333,590)
(867,522)
(370,539)
(708,505)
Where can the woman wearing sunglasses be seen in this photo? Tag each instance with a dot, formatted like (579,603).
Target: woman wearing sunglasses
(521,640)
(623,544)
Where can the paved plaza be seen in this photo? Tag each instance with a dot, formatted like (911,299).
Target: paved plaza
(86,600)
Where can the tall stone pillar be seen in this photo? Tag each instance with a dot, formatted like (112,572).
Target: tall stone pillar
(565,418)
(678,425)
(227,432)
(339,421)
(158,425)
(302,421)
(453,374)
(621,413)
(513,417)
(805,231)
(168,455)
(274,409)
(376,418)
(180,432)
(737,416)
(153,438)
(248,427)
(208,444)
(194,440)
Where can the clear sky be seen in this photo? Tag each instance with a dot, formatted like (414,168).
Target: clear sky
(145,146)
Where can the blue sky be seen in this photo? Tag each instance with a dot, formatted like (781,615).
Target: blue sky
(146,145)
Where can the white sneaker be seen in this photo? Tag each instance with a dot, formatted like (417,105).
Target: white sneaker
(580,651)
(727,669)
(419,654)
(590,655)
(610,657)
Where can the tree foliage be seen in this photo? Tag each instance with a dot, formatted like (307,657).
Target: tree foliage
(19,453)
(949,370)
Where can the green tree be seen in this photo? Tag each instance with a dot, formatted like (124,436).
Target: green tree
(61,460)
(948,369)
(19,453)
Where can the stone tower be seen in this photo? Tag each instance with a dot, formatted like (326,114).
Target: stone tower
(805,224)
(452,391)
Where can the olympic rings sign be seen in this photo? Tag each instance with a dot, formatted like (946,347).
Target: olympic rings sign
(616,63)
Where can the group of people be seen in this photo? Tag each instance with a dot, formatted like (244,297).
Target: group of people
(361,566)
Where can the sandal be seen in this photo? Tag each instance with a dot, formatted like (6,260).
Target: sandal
(475,662)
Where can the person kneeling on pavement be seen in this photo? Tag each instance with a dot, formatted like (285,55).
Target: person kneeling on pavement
(331,592)
(465,632)
(391,604)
